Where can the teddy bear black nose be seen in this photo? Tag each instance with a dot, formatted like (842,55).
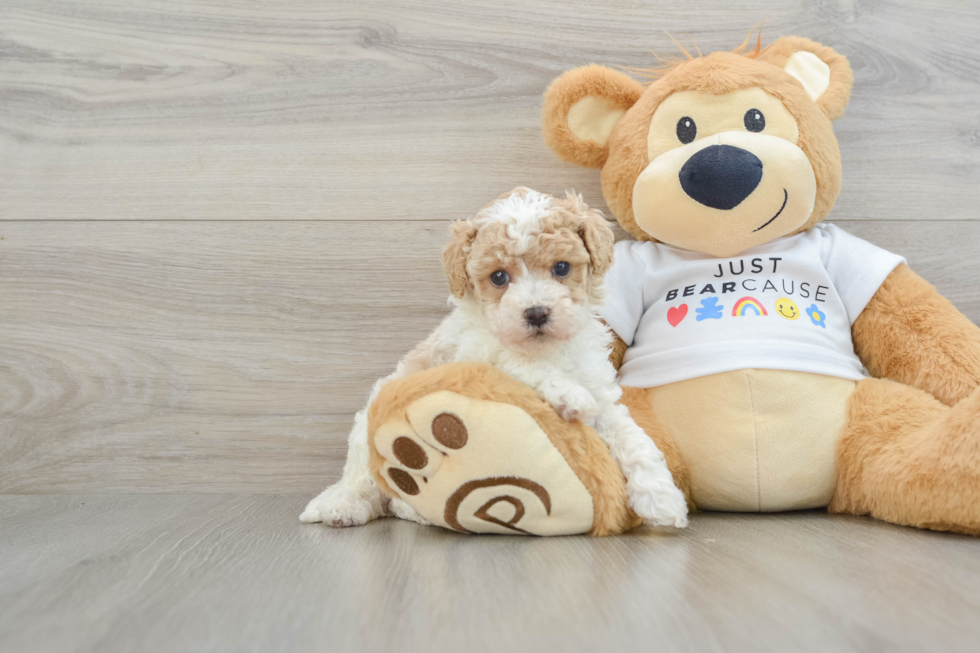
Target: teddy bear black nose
(721,176)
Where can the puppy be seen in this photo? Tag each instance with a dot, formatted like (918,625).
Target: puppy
(526,277)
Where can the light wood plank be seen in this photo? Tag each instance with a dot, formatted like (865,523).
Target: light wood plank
(414,110)
(225,573)
(210,355)
(229,357)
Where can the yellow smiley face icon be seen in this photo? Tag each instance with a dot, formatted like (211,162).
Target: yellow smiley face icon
(787,308)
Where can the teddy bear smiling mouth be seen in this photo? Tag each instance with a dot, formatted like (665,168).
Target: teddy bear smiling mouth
(769,222)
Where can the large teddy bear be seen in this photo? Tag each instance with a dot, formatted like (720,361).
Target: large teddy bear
(777,362)
(784,363)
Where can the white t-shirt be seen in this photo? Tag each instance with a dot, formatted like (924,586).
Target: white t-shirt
(787,305)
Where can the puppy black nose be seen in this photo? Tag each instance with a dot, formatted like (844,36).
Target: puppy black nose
(721,176)
(537,316)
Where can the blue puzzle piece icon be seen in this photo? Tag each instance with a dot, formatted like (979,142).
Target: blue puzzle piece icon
(710,309)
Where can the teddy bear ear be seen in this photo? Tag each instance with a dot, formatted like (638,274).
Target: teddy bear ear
(825,75)
(582,107)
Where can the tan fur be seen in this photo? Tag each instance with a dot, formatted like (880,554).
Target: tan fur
(618,351)
(718,73)
(911,334)
(756,439)
(493,250)
(625,157)
(578,444)
(622,90)
(592,229)
(835,98)
(905,455)
(455,254)
(636,400)
(570,232)
(906,458)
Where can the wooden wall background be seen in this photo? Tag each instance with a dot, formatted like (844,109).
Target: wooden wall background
(220,220)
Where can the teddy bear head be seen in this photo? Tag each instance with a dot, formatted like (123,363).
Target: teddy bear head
(719,153)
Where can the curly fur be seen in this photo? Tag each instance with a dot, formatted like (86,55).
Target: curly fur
(565,361)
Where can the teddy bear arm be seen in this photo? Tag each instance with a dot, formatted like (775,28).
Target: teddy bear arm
(617,352)
(911,334)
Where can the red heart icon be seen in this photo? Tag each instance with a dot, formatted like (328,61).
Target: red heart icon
(676,314)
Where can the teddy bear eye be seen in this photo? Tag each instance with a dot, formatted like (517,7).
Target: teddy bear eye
(686,130)
(754,120)
(499,278)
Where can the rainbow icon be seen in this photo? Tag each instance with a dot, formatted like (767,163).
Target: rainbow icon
(746,304)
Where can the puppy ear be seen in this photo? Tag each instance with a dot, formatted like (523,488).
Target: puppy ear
(455,255)
(582,107)
(825,75)
(599,240)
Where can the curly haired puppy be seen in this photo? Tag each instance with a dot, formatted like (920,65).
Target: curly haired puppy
(526,278)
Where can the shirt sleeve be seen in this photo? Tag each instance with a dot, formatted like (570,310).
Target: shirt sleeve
(623,306)
(856,267)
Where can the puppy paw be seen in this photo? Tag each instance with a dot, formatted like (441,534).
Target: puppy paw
(338,507)
(402,510)
(569,399)
(656,500)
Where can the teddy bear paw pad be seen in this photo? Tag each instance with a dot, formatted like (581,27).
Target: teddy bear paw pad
(478,466)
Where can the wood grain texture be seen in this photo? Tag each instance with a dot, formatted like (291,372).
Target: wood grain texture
(418,110)
(212,355)
(233,573)
(220,221)
(231,356)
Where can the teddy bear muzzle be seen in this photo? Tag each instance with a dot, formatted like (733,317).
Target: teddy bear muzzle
(725,193)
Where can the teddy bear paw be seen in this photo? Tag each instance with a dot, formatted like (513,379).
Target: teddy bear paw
(478,466)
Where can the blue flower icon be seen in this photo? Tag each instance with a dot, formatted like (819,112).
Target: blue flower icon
(710,310)
(817,316)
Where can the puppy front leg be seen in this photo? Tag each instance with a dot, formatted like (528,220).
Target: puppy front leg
(650,487)
(569,399)
(355,499)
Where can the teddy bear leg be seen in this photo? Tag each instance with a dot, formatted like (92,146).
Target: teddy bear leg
(470,449)
(642,413)
(906,458)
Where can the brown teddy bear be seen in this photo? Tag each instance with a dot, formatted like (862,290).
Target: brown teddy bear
(780,363)
(777,362)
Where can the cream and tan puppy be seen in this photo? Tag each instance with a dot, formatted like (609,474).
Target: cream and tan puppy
(526,279)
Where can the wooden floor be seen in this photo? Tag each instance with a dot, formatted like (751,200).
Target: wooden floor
(220,223)
(238,573)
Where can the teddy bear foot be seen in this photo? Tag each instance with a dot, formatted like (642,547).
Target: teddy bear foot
(908,459)
(478,466)
(468,448)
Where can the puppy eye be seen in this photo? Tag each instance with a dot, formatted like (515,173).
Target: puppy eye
(499,278)
(561,269)
(754,120)
(686,130)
